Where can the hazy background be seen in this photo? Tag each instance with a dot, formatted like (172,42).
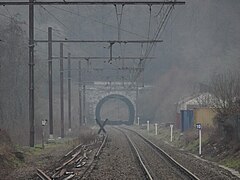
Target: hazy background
(201,38)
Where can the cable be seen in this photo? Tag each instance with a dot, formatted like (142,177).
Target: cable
(159,12)
(5,16)
(161,27)
(55,30)
(36,28)
(8,11)
(94,20)
(61,24)
(54,17)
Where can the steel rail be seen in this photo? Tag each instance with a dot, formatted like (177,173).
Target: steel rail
(42,175)
(66,2)
(144,168)
(101,147)
(167,156)
(74,158)
(92,165)
(74,149)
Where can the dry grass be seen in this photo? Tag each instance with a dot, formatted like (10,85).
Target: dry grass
(8,158)
(37,157)
(87,135)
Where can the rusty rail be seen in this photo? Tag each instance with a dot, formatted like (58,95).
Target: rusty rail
(42,175)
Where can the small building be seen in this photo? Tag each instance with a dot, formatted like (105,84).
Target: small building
(204,115)
(186,120)
(194,109)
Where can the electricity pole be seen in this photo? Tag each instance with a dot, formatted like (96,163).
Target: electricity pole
(69,94)
(137,91)
(61,91)
(84,104)
(50,92)
(80,93)
(31,73)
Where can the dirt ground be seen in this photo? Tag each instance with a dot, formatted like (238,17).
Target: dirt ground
(21,162)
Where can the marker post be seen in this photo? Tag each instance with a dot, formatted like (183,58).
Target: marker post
(156,129)
(199,127)
(171,127)
(44,123)
(147,126)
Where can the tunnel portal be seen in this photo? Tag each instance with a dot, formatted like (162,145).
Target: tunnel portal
(129,104)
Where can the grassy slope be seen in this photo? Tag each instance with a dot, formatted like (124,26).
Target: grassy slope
(22,161)
(213,148)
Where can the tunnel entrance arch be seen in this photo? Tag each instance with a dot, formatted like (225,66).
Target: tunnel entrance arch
(131,109)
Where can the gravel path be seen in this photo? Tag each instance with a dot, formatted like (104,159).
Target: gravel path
(116,160)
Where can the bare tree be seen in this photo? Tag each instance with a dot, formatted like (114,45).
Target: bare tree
(225,89)
(225,100)
(13,79)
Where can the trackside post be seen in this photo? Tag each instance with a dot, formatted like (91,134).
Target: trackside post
(147,126)
(171,127)
(156,129)
(199,127)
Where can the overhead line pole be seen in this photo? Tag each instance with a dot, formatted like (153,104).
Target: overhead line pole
(137,101)
(61,91)
(69,94)
(50,91)
(80,93)
(31,73)
(84,104)
(83,76)
(92,3)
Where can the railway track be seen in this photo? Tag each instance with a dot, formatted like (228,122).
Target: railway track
(155,162)
(76,164)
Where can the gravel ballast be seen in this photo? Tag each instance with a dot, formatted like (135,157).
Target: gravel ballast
(116,160)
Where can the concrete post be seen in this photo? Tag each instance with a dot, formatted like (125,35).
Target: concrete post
(61,91)
(50,91)
(200,141)
(156,129)
(147,126)
(171,126)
